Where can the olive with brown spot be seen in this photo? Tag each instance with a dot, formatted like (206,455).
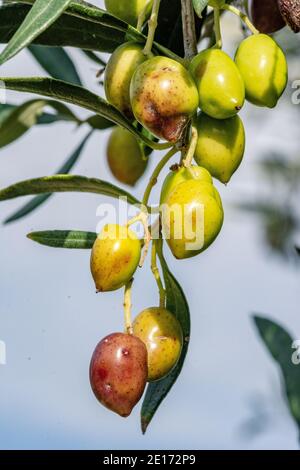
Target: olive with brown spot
(118,372)
(164,97)
(162,334)
(115,257)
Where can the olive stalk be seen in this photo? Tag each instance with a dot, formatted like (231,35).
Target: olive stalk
(187,161)
(217,27)
(142,17)
(156,173)
(156,274)
(143,218)
(189,29)
(242,16)
(152,28)
(127,308)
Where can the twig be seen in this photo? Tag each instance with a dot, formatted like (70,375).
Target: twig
(189,29)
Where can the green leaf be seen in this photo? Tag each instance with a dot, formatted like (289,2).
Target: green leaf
(77,95)
(199,6)
(279,343)
(42,14)
(92,29)
(56,62)
(94,57)
(20,119)
(64,183)
(41,198)
(177,304)
(66,31)
(71,239)
(99,122)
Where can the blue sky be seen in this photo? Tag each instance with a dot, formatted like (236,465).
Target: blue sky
(51,319)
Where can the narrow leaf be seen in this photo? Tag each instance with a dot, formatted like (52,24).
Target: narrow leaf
(20,119)
(199,6)
(94,57)
(177,304)
(42,14)
(41,198)
(64,183)
(279,343)
(77,95)
(71,239)
(56,62)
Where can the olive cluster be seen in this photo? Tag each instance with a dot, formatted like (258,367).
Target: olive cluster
(172,100)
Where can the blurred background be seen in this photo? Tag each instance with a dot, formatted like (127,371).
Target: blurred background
(229,395)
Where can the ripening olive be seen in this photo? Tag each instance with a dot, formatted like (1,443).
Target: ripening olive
(265,16)
(180,174)
(219,82)
(220,146)
(115,257)
(163,97)
(264,69)
(125,157)
(128,10)
(118,73)
(192,218)
(118,372)
(162,334)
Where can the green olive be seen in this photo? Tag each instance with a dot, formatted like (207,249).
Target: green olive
(180,174)
(118,73)
(162,334)
(163,97)
(220,146)
(125,157)
(219,82)
(192,218)
(115,257)
(264,69)
(128,10)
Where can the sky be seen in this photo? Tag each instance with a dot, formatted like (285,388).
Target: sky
(51,319)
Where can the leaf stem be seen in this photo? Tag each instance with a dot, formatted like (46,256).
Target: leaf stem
(242,16)
(155,174)
(156,274)
(127,308)
(187,161)
(189,29)
(217,26)
(152,23)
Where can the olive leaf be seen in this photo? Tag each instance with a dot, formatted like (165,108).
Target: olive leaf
(18,120)
(177,304)
(71,239)
(94,57)
(199,6)
(41,198)
(64,183)
(42,14)
(77,95)
(56,62)
(280,343)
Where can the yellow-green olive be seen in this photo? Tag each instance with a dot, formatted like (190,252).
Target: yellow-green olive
(128,10)
(125,157)
(219,82)
(263,67)
(118,73)
(115,257)
(162,334)
(220,146)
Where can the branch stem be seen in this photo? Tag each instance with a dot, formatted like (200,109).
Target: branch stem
(189,29)
(156,173)
(127,308)
(156,274)
(152,28)
(242,16)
